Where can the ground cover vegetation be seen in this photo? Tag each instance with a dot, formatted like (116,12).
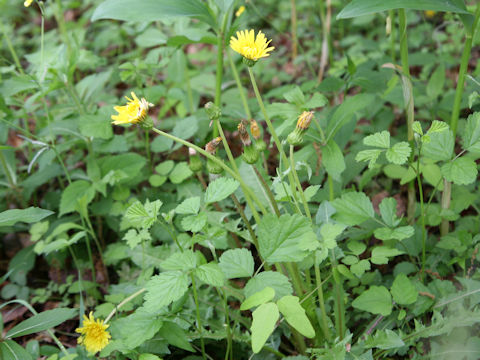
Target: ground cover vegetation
(226,179)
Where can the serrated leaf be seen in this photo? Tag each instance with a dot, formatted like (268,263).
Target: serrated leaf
(295,315)
(237,263)
(285,238)
(258,298)
(189,206)
(461,171)
(333,159)
(273,279)
(380,254)
(175,335)
(210,274)
(182,261)
(399,153)
(437,126)
(379,139)
(403,291)
(180,173)
(165,288)
(417,128)
(264,319)
(388,211)
(440,147)
(370,155)
(143,216)
(400,233)
(140,323)
(195,223)
(471,134)
(329,232)
(384,340)
(220,189)
(353,208)
(376,300)
(134,238)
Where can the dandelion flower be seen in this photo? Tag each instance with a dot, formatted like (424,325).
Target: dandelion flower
(240,11)
(27,3)
(134,112)
(94,335)
(250,47)
(429,14)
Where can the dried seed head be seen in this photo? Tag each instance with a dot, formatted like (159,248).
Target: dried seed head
(212,146)
(254,129)
(242,130)
(304,120)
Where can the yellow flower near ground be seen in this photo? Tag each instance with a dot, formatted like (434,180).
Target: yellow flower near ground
(94,334)
(429,13)
(134,112)
(27,3)
(240,11)
(250,47)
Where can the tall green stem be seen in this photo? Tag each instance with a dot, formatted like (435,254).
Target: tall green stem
(323,323)
(299,185)
(446,195)
(239,86)
(294,29)
(219,72)
(422,215)
(199,321)
(393,35)
(12,50)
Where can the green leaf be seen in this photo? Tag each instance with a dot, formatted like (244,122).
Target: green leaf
(157,180)
(73,192)
(399,153)
(370,155)
(376,300)
(165,167)
(433,175)
(237,263)
(329,232)
(384,340)
(380,254)
(440,147)
(295,315)
(10,350)
(364,7)
(436,82)
(353,208)
(195,223)
(95,126)
(295,96)
(143,216)
(388,211)
(273,279)
(220,189)
(461,171)
(403,291)
(437,126)
(134,238)
(175,335)
(401,233)
(182,261)
(43,321)
(417,128)
(189,206)
(359,268)
(29,215)
(153,10)
(333,159)
(140,323)
(210,274)
(180,173)
(285,238)
(471,134)
(264,319)
(165,288)
(258,298)
(379,139)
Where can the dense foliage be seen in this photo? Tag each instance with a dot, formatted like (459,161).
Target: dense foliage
(284,180)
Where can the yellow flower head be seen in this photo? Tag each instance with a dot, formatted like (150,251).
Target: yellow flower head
(250,47)
(134,112)
(304,120)
(240,11)
(254,129)
(27,3)
(94,334)
(429,13)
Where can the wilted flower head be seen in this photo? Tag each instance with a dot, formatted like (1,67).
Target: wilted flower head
(254,129)
(134,112)
(94,334)
(242,130)
(304,120)
(249,47)
(27,3)
(240,11)
(212,146)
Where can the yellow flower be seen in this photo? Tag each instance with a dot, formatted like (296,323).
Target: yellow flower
(134,112)
(304,120)
(27,3)
(240,11)
(250,48)
(429,13)
(94,335)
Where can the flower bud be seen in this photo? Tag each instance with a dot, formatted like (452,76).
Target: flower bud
(250,154)
(195,163)
(295,137)
(212,146)
(260,145)
(146,123)
(304,120)
(242,130)
(213,111)
(213,167)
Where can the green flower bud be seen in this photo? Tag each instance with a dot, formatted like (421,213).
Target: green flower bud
(250,154)
(213,167)
(295,137)
(260,145)
(195,164)
(213,111)
(146,123)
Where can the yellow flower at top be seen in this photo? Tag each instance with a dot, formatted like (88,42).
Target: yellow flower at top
(27,3)
(250,47)
(94,335)
(240,11)
(134,112)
